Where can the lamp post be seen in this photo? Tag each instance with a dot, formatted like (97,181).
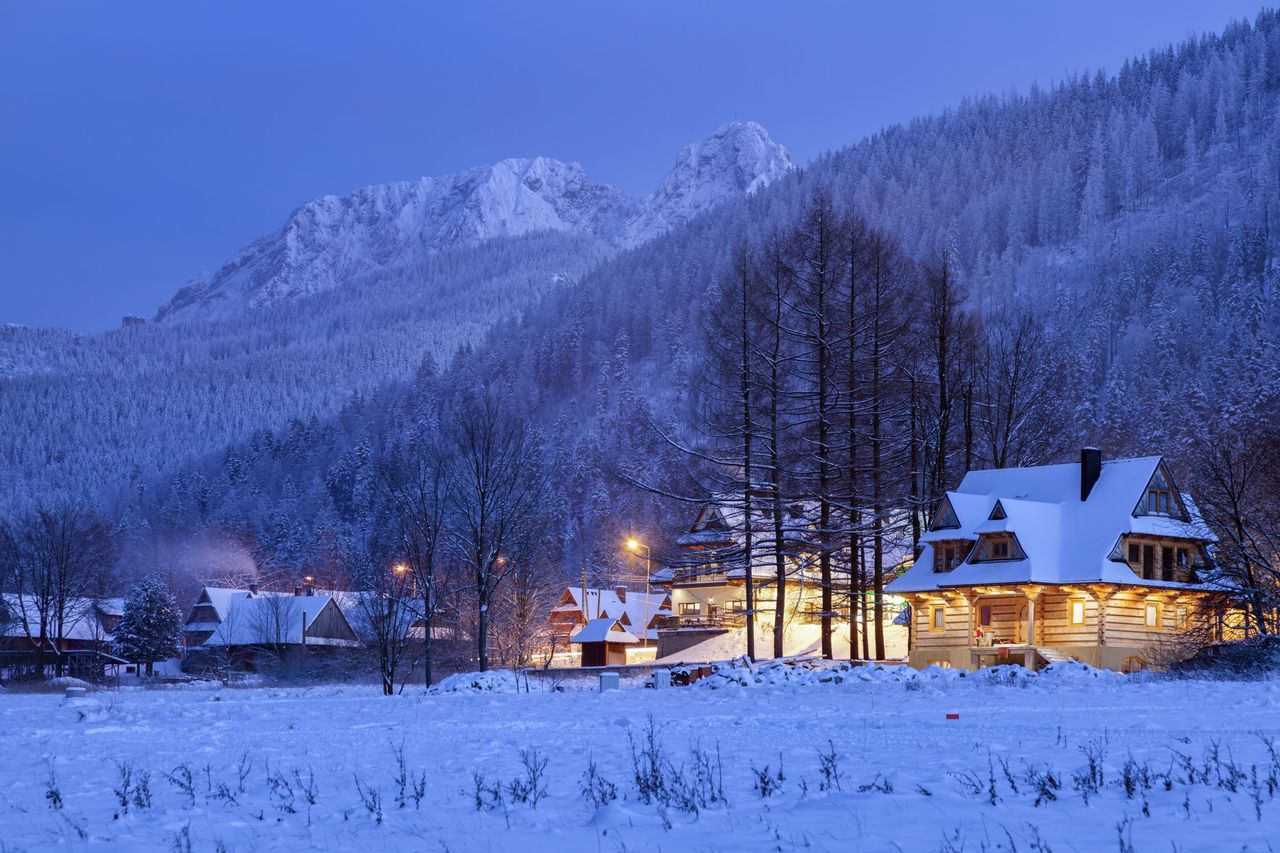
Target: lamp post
(634,545)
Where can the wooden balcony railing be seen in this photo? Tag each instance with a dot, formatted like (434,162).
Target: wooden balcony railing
(702,620)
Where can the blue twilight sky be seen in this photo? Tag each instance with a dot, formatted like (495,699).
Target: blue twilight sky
(141,142)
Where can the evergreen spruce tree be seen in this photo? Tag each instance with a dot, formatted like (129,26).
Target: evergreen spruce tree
(149,629)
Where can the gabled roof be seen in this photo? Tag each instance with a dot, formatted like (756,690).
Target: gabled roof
(604,631)
(272,620)
(220,598)
(1065,540)
(605,603)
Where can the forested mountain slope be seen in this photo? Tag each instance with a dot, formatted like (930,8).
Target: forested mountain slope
(352,293)
(1133,215)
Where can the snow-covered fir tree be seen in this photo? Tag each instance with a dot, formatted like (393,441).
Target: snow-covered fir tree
(150,626)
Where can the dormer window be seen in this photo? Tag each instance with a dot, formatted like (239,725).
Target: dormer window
(945,518)
(997,546)
(948,555)
(1161,498)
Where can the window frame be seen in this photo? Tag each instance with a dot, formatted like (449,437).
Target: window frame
(1149,621)
(936,611)
(986,615)
(690,608)
(1080,605)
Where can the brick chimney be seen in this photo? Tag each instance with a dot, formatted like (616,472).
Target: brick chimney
(621,592)
(297,591)
(1090,470)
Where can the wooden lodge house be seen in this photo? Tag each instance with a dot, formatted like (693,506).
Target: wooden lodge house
(1106,563)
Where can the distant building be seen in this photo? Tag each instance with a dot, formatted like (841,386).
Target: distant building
(1103,562)
(638,613)
(84,648)
(243,624)
(708,583)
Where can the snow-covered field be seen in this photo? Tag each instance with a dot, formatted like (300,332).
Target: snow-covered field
(1193,756)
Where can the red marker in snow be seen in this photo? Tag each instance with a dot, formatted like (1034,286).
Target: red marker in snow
(953,716)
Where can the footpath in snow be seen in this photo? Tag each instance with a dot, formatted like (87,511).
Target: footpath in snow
(769,757)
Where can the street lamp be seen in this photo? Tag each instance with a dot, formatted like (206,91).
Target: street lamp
(634,545)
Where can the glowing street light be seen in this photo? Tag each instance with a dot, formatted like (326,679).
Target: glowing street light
(634,545)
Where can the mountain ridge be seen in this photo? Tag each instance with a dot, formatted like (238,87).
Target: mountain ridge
(332,239)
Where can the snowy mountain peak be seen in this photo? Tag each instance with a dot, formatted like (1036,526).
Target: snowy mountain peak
(336,239)
(739,158)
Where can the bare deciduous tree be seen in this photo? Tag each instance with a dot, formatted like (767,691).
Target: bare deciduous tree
(495,480)
(418,499)
(60,558)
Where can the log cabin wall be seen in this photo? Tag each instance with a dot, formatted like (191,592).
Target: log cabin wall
(1053,617)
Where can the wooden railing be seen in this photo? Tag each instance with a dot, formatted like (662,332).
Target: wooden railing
(702,620)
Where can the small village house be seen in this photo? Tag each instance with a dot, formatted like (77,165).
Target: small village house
(637,613)
(1107,563)
(604,642)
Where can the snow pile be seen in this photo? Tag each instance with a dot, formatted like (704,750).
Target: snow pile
(806,672)
(494,681)
(64,681)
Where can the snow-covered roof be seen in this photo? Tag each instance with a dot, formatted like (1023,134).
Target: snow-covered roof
(640,609)
(604,630)
(270,620)
(1062,538)
(80,617)
(220,598)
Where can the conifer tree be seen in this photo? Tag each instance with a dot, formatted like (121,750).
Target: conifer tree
(149,629)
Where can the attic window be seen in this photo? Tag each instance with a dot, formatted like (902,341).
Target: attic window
(1001,546)
(997,512)
(946,518)
(1158,501)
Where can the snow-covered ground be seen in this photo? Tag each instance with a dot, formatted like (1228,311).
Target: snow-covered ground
(1194,756)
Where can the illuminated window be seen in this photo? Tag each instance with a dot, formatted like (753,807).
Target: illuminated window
(940,664)
(937,618)
(690,608)
(1153,615)
(1077,612)
(737,606)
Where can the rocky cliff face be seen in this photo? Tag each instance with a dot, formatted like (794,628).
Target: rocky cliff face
(338,238)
